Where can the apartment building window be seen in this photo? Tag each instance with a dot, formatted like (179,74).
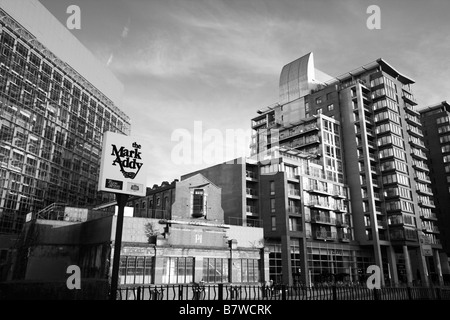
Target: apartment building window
(330,107)
(444,139)
(215,270)
(377,81)
(445,148)
(441,120)
(319,100)
(178,270)
(272,205)
(319,111)
(273,222)
(272,187)
(295,224)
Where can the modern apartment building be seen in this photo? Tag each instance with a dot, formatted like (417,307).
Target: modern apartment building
(56,101)
(383,158)
(436,129)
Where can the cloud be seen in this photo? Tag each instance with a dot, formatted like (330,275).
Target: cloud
(125,32)
(110,59)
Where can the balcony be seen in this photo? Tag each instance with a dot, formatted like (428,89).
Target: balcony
(418,154)
(294,193)
(294,210)
(258,123)
(339,195)
(250,192)
(429,204)
(409,98)
(424,191)
(381,224)
(345,237)
(371,145)
(428,215)
(322,220)
(319,190)
(413,120)
(325,235)
(341,208)
(301,142)
(341,223)
(417,143)
(250,175)
(251,210)
(430,229)
(409,108)
(422,178)
(420,166)
(414,131)
(320,205)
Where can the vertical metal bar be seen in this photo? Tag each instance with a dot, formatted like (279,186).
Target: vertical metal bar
(121,201)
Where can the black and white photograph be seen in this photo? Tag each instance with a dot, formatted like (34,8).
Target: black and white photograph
(222,158)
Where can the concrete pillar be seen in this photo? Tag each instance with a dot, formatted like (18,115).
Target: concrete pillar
(409,276)
(159,267)
(304,263)
(437,263)
(392,265)
(423,269)
(354,269)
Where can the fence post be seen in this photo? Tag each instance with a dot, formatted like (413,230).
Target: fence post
(180,291)
(408,289)
(438,293)
(375,294)
(283,292)
(220,296)
(334,292)
(138,296)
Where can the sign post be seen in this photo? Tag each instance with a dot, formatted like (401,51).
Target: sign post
(121,172)
(121,202)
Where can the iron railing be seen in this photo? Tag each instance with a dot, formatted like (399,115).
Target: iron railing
(221,292)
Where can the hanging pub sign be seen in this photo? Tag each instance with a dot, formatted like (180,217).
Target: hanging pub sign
(122,165)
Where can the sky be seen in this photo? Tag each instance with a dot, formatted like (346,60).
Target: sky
(200,69)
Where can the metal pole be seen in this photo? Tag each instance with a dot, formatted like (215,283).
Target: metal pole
(121,202)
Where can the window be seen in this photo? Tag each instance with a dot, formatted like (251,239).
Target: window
(197,203)
(249,270)
(272,205)
(318,100)
(178,270)
(274,223)
(215,270)
(136,270)
(330,107)
(272,187)
(295,224)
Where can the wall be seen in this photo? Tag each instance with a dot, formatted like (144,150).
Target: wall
(230,177)
(246,237)
(181,209)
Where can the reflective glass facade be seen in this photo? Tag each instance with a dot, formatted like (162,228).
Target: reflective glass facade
(51,126)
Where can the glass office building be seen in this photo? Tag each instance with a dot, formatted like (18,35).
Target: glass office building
(52,117)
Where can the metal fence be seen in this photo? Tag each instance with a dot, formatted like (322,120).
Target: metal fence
(221,292)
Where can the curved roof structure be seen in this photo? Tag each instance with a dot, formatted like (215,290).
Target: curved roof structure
(299,77)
